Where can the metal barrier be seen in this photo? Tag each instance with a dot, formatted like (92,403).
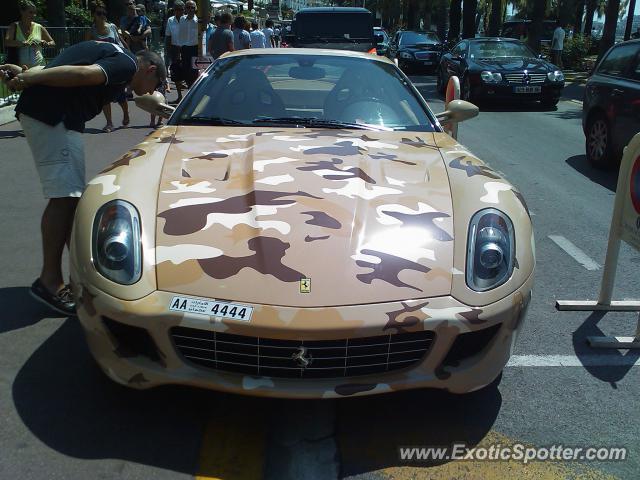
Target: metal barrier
(64,37)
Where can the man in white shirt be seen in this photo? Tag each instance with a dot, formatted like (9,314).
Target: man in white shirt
(258,39)
(268,34)
(171,41)
(188,40)
(557,45)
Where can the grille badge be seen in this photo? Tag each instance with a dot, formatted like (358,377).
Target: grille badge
(302,357)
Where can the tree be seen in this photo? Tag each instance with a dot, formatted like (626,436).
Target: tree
(495,20)
(627,30)
(610,24)
(537,17)
(455,14)
(592,5)
(469,18)
(580,4)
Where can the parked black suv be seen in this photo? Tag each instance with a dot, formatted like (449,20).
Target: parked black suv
(611,106)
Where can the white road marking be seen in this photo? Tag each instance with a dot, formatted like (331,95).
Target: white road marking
(591,360)
(418,84)
(579,102)
(577,254)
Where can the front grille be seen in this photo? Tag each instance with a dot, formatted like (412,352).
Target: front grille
(425,55)
(275,358)
(518,78)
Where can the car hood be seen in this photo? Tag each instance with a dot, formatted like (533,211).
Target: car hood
(247,214)
(515,64)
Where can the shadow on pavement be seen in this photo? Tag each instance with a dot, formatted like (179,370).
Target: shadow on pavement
(609,374)
(20,310)
(72,407)
(370,430)
(505,106)
(570,114)
(606,178)
(9,134)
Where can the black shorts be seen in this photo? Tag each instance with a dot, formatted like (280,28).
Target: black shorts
(182,70)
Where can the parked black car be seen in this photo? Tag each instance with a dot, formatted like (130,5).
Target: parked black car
(416,50)
(382,47)
(611,106)
(500,68)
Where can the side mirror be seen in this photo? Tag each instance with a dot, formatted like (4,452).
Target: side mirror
(458,111)
(154,104)
(378,38)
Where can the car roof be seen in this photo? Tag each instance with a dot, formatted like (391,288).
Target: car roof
(325,52)
(334,10)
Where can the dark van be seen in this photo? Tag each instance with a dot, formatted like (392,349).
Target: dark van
(337,28)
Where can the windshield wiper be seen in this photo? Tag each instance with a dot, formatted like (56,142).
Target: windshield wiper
(205,120)
(318,122)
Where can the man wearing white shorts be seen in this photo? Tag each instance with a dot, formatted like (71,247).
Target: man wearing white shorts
(55,103)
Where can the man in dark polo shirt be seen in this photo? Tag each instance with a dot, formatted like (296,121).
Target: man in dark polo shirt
(55,103)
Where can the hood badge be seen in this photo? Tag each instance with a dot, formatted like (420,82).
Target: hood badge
(302,357)
(305,285)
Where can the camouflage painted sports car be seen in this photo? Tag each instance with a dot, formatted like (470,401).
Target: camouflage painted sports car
(302,228)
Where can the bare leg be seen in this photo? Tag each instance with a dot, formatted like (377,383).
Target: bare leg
(153,121)
(125,113)
(56,224)
(107,113)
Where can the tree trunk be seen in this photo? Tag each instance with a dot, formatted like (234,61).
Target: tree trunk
(535,31)
(455,15)
(495,19)
(579,12)
(442,13)
(469,18)
(588,19)
(610,24)
(632,8)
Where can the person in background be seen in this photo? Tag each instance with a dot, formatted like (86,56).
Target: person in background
(28,36)
(172,41)
(55,103)
(277,36)
(268,34)
(241,38)
(222,39)
(103,31)
(126,22)
(141,31)
(557,45)
(209,29)
(188,34)
(258,39)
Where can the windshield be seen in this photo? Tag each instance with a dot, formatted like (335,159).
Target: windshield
(493,49)
(334,26)
(305,90)
(414,38)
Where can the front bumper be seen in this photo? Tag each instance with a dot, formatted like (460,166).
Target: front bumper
(504,91)
(444,316)
(430,62)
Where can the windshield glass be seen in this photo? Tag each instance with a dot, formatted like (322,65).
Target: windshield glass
(414,38)
(500,49)
(304,90)
(331,26)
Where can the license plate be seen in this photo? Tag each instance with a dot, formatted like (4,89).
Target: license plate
(528,89)
(212,308)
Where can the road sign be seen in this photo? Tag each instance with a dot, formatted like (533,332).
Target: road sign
(625,226)
(202,62)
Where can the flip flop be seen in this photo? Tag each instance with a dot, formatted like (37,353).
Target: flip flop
(107,129)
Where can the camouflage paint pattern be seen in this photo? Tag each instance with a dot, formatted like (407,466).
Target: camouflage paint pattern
(377,220)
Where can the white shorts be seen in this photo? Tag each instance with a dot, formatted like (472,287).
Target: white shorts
(59,157)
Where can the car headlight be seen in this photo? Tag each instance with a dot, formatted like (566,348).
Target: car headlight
(116,246)
(490,250)
(556,76)
(490,77)
(405,55)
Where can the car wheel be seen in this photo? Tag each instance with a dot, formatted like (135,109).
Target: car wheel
(598,142)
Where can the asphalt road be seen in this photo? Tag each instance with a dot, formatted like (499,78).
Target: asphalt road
(62,418)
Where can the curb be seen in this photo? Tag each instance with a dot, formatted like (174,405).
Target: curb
(7,114)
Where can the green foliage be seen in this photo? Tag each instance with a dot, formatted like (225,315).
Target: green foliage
(77,16)
(576,49)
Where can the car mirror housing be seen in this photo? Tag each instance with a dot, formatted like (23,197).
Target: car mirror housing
(378,38)
(154,104)
(458,111)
